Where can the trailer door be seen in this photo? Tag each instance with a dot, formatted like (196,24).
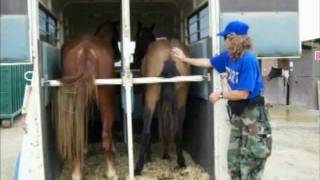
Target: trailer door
(269,23)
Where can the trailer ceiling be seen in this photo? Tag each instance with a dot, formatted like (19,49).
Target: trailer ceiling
(63,3)
(83,16)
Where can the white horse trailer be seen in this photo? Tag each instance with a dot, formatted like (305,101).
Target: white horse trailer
(274,26)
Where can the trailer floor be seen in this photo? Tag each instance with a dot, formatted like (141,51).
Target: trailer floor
(158,169)
(10,146)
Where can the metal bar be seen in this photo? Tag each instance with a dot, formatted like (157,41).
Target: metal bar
(125,45)
(142,80)
(60,29)
(30,29)
(14,64)
(153,80)
(128,89)
(278,57)
(56,83)
(127,78)
(214,25)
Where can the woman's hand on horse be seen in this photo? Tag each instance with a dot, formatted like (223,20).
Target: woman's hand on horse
(214,97)
(178,55)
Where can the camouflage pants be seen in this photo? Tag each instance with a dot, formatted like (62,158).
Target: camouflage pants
(250,144)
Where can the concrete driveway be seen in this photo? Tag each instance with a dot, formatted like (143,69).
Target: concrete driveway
(10,144)
(296,144)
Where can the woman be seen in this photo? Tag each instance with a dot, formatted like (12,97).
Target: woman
(250,138)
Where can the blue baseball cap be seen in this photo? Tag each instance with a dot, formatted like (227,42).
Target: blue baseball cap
(237,27)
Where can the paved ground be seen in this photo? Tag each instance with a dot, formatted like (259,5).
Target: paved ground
(296,144)
(10,144)
(295,156)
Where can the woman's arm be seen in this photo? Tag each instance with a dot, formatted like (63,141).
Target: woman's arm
(178,55)
(234,95)
(200,62)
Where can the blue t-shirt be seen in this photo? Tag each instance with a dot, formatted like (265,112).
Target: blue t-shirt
(243,74)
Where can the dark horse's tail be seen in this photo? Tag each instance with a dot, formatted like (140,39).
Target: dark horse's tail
(70,111)
(168,103)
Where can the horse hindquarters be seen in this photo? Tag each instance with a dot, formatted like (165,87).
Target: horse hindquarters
(71,119)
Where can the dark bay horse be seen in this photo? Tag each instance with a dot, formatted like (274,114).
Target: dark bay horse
(169,97)
(85,59)
(144,37)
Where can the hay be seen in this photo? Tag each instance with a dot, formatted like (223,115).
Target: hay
(157,169)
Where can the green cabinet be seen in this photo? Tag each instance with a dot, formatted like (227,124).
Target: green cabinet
(12,87)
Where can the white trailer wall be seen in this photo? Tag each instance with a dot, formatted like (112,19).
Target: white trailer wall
(309,19)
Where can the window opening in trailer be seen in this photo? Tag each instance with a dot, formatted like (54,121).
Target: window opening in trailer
(47,26)
(198,24)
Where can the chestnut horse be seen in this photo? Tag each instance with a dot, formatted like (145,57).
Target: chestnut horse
(85,59)
(169,97)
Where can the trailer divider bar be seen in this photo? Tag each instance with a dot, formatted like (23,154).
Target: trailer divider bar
(142,80)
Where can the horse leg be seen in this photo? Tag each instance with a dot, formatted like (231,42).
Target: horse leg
(76,173)
(163,139)
(107,116)
(114,149)
(151,98)
(148,152)
(182,100)
(145,139)
(178,138)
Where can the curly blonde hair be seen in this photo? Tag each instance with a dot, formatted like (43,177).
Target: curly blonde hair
(237,45)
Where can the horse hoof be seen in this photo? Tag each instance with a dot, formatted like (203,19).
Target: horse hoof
(148,159)
(182,166)
(76,177)
(137,172)
(112,176)
(166,156)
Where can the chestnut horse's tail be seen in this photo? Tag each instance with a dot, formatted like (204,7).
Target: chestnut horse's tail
(168,105)
(70,111)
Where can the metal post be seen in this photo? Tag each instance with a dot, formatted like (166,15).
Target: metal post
(32,149)
(182,30)
(127,79)
(60,30)
(30,29)
(214,15)
(128,88)
(125,35)
(218,108)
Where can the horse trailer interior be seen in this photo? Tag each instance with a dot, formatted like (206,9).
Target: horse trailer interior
(194,22)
